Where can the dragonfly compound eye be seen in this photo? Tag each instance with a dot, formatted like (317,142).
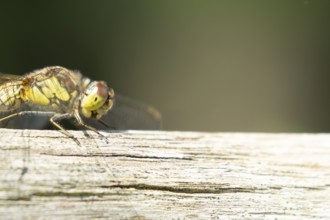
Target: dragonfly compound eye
(94,96)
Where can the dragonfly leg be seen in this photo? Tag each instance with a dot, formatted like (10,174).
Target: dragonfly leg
(9,116)
(82,123)
(26,113)
(57,117)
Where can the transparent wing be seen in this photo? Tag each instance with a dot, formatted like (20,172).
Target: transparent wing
(7,91)
(129,114)
(4,77)
(31,121)
(126,114)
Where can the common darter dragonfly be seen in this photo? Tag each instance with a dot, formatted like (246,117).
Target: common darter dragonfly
(47,96)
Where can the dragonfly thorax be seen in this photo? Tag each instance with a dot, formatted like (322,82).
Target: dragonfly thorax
(96,99)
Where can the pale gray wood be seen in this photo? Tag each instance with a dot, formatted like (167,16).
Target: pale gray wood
(164,175)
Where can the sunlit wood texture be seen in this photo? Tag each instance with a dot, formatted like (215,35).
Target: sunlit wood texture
(164,175)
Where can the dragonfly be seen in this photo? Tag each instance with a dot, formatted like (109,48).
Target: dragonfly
(52,94)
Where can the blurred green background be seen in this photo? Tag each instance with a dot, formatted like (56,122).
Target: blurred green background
(206,65)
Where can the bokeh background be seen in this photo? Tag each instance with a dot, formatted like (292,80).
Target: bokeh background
(206,65)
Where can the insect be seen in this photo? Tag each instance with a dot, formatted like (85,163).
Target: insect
(59,93)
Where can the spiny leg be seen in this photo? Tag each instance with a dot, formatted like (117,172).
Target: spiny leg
(53,118)
(82,123)
(8,117)
(57,117)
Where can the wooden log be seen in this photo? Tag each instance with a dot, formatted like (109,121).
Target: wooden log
(163,175)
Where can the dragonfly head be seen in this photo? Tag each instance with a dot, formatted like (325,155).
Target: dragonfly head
(96,100)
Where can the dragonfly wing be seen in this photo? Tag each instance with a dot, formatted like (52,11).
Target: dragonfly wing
(30,121)
(126,114)
(4,77)
(129,114)
(7,91)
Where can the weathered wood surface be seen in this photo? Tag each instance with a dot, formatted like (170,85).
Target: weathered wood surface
(164,175)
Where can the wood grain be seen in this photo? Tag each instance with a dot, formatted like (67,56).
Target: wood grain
(163,175)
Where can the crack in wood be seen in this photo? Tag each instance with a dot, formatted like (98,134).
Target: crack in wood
(119,155)
(186,189)
(149,157)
